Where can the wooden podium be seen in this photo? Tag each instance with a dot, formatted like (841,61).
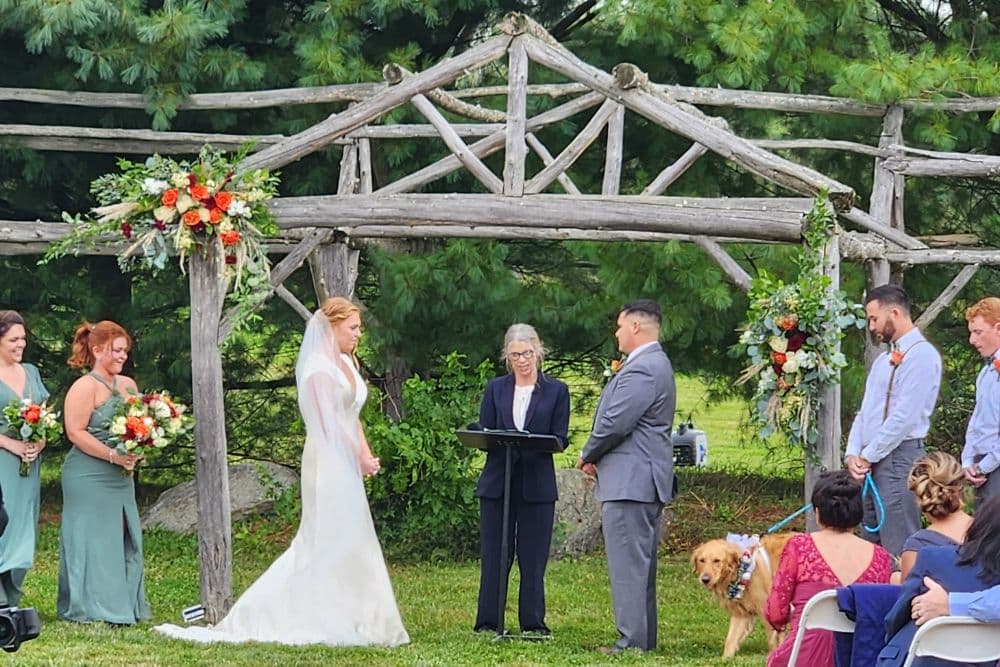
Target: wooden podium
(488,440)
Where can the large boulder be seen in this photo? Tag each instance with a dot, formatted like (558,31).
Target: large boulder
(177,509)
(577,527)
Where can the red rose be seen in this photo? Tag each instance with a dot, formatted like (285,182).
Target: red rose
(169,197)
(127,230)
(779,357)
(796,341)
(232,237)
(33,414)
(230,259)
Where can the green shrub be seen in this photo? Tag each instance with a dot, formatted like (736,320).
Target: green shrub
(423,500)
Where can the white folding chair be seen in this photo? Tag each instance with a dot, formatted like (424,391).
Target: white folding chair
(957,638)
(820,613)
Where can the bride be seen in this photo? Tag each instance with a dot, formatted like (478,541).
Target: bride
(331,586)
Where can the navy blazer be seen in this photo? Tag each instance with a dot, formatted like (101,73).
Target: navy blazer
(940,564)
(548,413)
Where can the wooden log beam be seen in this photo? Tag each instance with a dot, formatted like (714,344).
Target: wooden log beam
(944,256)
(517,114)
(457,146)
(215,543)
(866,221)
(947,296)
(422,231)
(968,166)
(489,145)
(613,155)
(321,134)
(761,219)
(395,73)
(821,144)
(736,274)
(665,112)
(573,150)
(292,301)
(564,180)
(122,141)
(674,171)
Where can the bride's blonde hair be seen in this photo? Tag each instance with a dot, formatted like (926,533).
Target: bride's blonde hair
(337,309)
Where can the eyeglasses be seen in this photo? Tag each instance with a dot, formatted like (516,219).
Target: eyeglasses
(527,355)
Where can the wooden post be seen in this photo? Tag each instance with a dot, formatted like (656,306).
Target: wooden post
(215,545)
(513,166)
(827,453)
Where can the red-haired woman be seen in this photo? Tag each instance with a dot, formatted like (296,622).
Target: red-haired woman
(100,544)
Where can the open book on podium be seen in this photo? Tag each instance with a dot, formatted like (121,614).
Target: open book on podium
(488,439)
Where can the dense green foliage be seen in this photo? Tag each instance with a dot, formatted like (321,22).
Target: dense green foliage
(427,299)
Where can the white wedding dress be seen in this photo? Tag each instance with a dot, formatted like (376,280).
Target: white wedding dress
(331,586)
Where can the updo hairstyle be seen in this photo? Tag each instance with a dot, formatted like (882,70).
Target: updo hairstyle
(837,499)
(89,336)
(937,481)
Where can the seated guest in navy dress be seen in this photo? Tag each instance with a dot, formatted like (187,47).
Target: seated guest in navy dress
(972,566)
(938,482)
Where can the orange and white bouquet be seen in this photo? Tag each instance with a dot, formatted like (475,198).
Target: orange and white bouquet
(162,207)
(32,422)
(149,421)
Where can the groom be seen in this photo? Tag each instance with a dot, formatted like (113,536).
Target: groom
(630,453)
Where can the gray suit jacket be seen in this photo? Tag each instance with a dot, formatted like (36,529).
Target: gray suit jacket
(630,440)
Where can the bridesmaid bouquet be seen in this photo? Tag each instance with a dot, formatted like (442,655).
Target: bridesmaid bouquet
(32,423)
(148,421)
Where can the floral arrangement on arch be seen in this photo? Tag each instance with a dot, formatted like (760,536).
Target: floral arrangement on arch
(162,207)
(792,338)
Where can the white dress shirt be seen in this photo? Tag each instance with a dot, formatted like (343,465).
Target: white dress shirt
(982,437)
(887,419)
(641,347)
(522,399)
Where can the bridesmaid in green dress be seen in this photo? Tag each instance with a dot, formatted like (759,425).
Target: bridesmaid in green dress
(100,543)
(20,494)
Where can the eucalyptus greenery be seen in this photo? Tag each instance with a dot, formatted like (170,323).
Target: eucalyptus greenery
(792,338)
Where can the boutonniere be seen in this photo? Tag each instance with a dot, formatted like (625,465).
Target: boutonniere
(996,365)
(896,358)
(613,367)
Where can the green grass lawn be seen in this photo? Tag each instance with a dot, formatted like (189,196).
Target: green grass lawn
(437,603)
(744,489)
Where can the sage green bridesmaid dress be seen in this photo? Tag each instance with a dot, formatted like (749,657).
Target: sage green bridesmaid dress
(20,498)
(101,574)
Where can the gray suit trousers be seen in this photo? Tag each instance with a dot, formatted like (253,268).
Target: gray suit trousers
(990,488)
(902,514)
(631,537)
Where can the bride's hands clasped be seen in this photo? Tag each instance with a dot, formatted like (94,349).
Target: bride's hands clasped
(370,465)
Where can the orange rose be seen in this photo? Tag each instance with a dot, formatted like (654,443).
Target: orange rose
(996,365)
(223,200)
(199,192)
(616,365)
(169,198)
(779,357)
(33,414)
(215,216)
(896,358)
(231,237)
(191,218)
(137,427)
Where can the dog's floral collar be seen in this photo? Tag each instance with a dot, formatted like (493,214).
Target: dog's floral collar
(738,587)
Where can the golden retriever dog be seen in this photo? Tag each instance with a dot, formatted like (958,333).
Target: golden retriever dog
(717,564)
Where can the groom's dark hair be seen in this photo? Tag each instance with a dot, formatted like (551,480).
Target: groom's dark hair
(647,307)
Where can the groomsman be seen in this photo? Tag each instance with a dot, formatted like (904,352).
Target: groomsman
(889,430)
(981,455)
(630,452)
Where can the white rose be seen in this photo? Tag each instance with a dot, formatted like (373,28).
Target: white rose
(238,208)
(153,186)
(778,343)
(184,202)
(179,180)
(791,364)
(164,213)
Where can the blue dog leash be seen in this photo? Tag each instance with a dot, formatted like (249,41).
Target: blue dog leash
(868,487)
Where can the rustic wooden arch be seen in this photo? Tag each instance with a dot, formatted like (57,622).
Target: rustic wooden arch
(513,205)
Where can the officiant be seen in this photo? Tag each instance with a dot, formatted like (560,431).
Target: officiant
(525,399)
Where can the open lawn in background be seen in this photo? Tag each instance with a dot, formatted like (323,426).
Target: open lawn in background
(744,489)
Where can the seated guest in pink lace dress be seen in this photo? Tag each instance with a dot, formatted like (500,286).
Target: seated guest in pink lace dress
(830,557)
